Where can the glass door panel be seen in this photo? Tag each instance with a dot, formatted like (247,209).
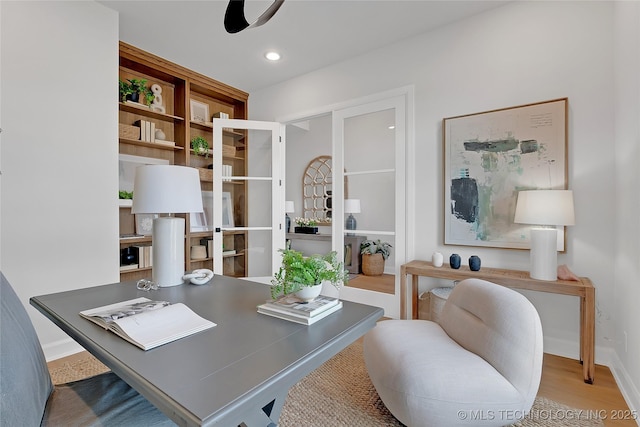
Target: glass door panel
(247,188)
(369,143)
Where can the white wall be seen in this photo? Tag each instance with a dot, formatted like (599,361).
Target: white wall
(59,229)
(519,53)
(627,140)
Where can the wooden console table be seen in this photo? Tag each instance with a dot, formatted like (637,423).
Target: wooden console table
(517,280)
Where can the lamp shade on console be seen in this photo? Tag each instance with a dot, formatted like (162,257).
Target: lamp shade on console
(545,209)
(167,189)
(351,206)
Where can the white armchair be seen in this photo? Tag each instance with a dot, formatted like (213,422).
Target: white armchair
(481,366)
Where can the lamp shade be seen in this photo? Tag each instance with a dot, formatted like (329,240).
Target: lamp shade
(545,207)
(352,206)
(289,206)
(166,189)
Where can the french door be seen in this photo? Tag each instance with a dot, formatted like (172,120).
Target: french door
(369,155)
(248,197)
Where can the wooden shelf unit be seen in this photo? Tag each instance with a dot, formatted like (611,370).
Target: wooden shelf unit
(179,86)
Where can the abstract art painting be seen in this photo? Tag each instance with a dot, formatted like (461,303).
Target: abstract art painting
(490,157)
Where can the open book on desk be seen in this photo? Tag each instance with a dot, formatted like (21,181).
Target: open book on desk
(147,323)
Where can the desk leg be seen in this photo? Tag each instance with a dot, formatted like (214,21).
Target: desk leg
(587,334)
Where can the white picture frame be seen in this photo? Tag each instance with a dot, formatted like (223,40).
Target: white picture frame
(127,165)
(203,221)
(227,210)
(199,111)
(144,224)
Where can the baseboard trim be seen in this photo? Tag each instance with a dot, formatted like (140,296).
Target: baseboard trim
(60,349)
(627,387)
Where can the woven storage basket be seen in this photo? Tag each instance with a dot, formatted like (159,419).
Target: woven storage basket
(437,298)
(228,150)
(372,264)
(128,131)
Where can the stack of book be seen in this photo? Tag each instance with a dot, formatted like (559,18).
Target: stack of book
(294,309)
(145,255)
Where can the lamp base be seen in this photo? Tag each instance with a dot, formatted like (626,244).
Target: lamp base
(168,251)
(544,254)
(350,224)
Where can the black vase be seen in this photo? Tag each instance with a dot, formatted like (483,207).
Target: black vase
(134,97)
(474,263)
(127,256)
(454,261)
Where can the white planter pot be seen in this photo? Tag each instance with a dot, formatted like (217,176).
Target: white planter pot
(309,293)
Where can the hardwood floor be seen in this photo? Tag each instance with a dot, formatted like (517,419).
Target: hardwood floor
(562,382)
(384,283)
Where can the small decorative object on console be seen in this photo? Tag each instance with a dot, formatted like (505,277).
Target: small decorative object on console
(474,263)
(454,261)
(306,226)
(437,259)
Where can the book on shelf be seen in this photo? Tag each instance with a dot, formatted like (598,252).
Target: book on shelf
(131,236)
(229,252)
(146,323)
(129,267)
(145,255)
(298,318)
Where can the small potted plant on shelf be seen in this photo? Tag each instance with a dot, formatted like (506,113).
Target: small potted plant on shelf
(138,87)
(304,275)
(374,253)
(124,89)
(200,146)
(306,225)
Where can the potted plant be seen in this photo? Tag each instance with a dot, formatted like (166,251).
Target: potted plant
(299,274)
(124,89)
(306,225)
(374,253)
(138,87)
(200,146)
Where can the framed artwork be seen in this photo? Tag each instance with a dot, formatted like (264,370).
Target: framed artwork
(199,111)
(227,210)
(488,158)
(203,221)
(144,224)
(127,165)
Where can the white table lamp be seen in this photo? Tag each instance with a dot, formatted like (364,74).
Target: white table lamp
(351,206)
(167,189)
(545,209)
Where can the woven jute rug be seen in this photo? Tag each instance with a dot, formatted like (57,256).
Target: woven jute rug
(339,394)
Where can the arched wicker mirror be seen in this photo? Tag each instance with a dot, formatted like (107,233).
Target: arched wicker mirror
(317,183)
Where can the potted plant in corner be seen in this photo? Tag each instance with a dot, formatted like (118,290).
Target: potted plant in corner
(200,146)
(374,253)
(304,275)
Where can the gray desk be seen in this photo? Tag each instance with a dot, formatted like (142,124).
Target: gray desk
(239,371)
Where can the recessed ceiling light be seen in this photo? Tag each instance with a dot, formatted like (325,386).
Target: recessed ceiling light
(272,56)
(392,127)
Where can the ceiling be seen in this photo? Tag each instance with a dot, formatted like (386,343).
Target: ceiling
(309,34)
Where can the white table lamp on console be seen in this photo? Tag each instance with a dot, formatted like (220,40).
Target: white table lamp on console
(167,189)
(545,209)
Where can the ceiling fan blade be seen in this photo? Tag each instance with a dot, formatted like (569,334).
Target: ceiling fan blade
(235,21)
(267,14)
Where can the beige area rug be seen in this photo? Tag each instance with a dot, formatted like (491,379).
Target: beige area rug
(340,393)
